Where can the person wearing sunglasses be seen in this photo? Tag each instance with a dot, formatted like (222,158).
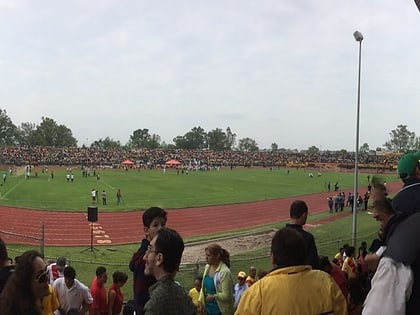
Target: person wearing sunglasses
(26,286)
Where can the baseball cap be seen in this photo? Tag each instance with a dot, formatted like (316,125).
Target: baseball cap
(407,164)
(242,274)
(61,261)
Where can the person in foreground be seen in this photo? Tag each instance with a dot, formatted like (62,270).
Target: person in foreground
(217,294)
(298,215)
(26,286)
(154,219)
(395,285)
(292,287)
(162,260)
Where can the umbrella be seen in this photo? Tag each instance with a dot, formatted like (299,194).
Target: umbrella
(173,162)
(127,162)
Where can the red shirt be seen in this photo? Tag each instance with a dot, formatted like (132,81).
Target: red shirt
(339,278)
(118,302)
(98,292)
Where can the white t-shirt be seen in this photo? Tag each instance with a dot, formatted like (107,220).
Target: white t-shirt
(73,297)
(391,289)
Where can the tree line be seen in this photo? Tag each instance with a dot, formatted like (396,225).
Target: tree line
(49,133)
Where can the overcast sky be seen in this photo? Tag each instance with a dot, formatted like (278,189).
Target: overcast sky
(282,71)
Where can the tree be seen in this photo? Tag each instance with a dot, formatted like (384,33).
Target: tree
(216,139)
(196,138)
(274,147)
(9,134)
(48,133)
(247,144)
(402,140)
(313,150)
(106,143)
(141,138)
(230,138)
(364,148)
(26,132)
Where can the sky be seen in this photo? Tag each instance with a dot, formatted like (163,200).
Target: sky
(276,71)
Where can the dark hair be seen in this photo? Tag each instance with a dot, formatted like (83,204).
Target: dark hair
(100,271)
(16,297)
(171,245)
(3,252)
(150,214)
(356,291)
(73,311)
(324,261)
(217,250)
(119,276)
(298,208)
(261,274)
(69,272)
(288,248)
(129,308)
(350,250)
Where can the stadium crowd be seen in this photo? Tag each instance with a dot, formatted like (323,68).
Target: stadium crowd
(37,155)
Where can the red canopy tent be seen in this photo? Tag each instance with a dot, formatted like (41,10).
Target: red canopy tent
(127,162)
(173,162)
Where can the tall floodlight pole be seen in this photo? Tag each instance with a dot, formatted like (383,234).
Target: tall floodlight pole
(358,37)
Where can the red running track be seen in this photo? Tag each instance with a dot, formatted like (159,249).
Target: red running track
(73,229)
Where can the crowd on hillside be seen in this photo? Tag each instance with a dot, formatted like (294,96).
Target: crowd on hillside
(36,155)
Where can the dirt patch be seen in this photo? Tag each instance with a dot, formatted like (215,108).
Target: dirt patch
(194,253)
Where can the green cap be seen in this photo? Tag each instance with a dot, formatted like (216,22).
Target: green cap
(407,164)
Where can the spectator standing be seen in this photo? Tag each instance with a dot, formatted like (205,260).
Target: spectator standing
(115,296)
(119,196)
(395,285)
(350,263)
(104,197)
(154,219)
(240,287)
(292,287)
(330,203)
(366,200)
(252,277)
(216,294)
(71,293)
(298,217)
(407,200)
(55,270)
(26,286)
(50,302)
(335,272)
(93,194)
(98,292)
(194,293)
(162,259)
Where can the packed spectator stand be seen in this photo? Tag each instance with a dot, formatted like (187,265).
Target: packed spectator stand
(152,158)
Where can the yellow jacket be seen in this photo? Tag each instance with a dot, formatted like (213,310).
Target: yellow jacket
(293,290)
(50,302)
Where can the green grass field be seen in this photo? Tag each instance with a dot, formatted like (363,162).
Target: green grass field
(147,188)
(140,190)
